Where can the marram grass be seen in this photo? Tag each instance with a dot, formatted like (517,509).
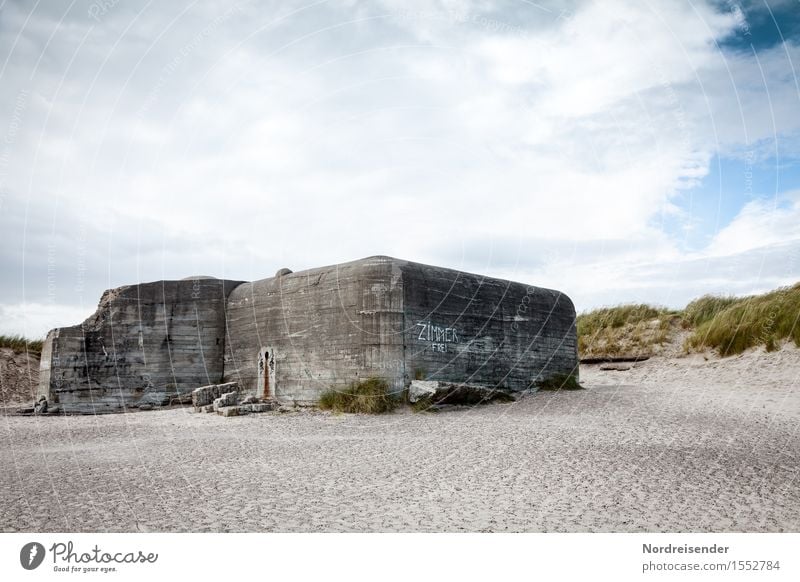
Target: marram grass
(759,320)
(625,330)
(370,396)
(728,325)
(20,344)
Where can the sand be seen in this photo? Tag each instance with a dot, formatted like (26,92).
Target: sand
(674,444)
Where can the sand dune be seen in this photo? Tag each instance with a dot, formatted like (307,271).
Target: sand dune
(19,376)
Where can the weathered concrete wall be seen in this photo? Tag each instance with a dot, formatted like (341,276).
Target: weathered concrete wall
(145,344)
(324,327)
(468,328)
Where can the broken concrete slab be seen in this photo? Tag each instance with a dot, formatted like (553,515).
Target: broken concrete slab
(41,406)
(616,367)
(230,398)
(238,409)
(454,393)
(226,400)
(232,411)
(260,406)
(181,399)
(421,389)
(207,394)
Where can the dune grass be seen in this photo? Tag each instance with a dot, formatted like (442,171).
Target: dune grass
(705,309)
(730,326)
(625,330)
(20,344)
(370,396)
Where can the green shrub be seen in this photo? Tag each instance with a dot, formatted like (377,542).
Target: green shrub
(370,396)
(20,344)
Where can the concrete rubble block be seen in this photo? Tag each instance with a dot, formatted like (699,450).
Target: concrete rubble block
(230,399)
(232,411)
(616,367)
(421,389)
(242,409)
(456,393)
(226,400)
(207,394)
(41,406)
(185,398)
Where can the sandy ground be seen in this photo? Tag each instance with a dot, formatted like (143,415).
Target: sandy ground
(671,445)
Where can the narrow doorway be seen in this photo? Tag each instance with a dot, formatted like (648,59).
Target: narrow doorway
(266,373)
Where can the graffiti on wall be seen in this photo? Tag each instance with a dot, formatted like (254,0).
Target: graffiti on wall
(438,336)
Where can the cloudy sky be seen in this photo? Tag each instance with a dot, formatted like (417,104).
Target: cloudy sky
(617,150)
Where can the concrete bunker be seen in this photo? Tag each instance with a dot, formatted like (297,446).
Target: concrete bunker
(290,337)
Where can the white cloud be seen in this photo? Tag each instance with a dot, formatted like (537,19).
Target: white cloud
(34,320)
(608,52)
(759,224)
(430,132)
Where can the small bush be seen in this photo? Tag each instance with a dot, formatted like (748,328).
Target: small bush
(370,396)
(20,344)
(559,382)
